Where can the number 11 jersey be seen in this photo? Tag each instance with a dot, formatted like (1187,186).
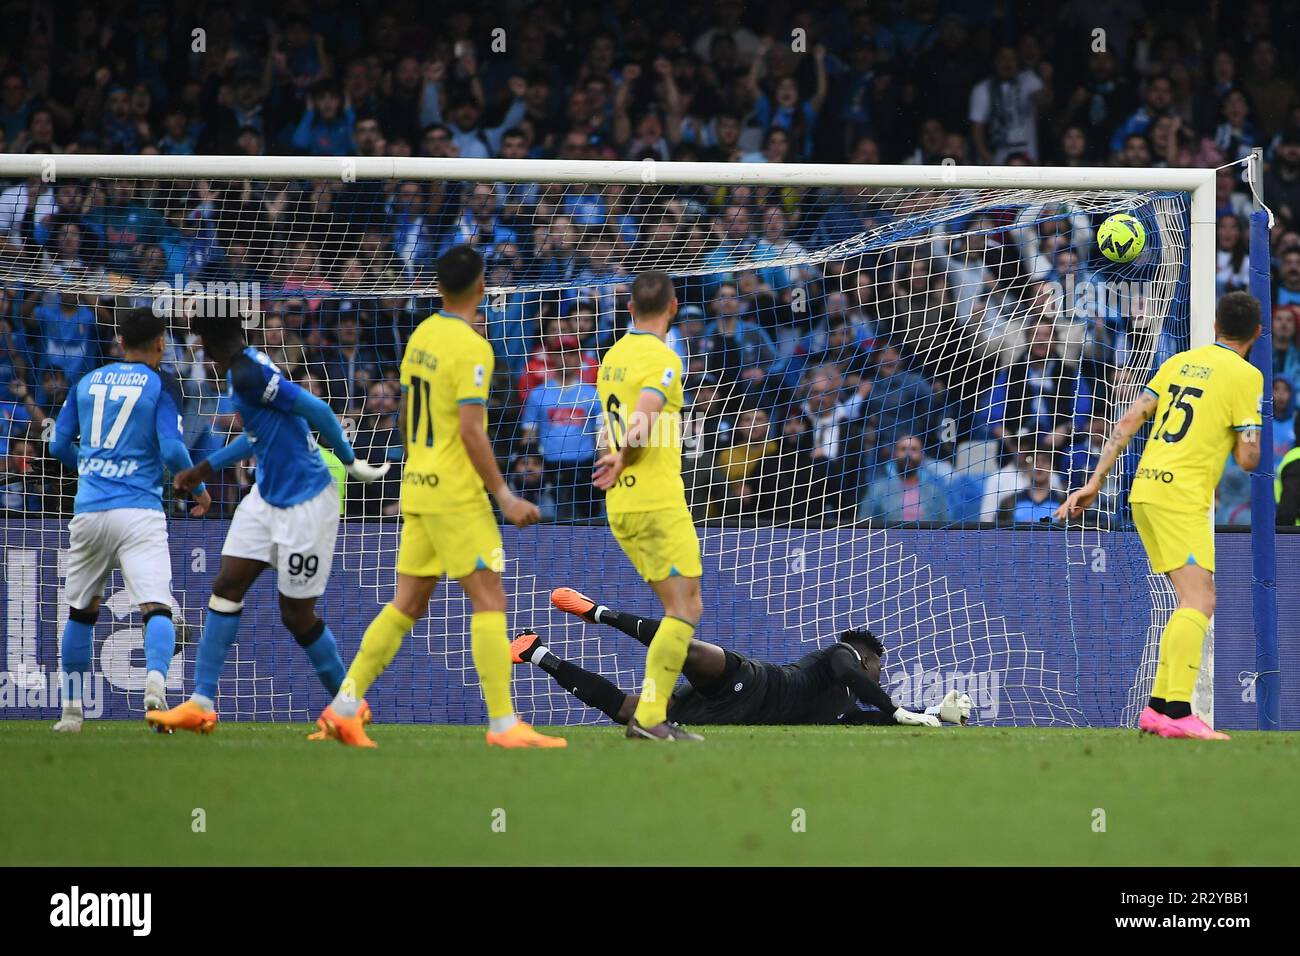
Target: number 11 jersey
(446,365)
(1206,397)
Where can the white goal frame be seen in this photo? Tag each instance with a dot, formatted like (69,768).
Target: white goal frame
(1199,183)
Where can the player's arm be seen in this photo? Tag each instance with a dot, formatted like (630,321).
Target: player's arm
(171,446)
(188,479)
(66,429)
(1246,450)
(640,427)
(848,669)
(1129,425)
(473,433)
(326,424)
(473,382)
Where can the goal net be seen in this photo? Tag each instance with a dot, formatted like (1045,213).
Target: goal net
(888,390)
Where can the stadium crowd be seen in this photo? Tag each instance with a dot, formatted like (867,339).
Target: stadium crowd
(919,382)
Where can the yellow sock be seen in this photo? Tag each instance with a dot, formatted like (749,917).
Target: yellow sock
(1180,652)
(378,645)
(663,664)
(1161,687)
(491,650)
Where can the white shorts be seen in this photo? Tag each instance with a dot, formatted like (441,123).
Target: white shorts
(297,541)
(133,539)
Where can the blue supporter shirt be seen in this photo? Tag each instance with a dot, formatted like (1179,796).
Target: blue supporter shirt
(290,469)
(68,338)
(120,416)
(566,418)
(1028,511)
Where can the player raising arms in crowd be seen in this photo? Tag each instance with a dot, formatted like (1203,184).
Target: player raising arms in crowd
(1206,404)
(448,528)
(288,521)
(118,428)
(640,385)
(723,687)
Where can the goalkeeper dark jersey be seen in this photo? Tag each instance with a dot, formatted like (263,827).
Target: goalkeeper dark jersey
(823,687)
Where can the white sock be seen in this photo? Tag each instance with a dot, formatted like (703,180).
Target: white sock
(155,679)
(206,703)
(72,708)
(499,725)
(345,705)
(539,654)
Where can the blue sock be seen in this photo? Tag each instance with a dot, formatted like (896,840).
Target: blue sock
(74,652)
(159,643)
(219,632)
(324,654)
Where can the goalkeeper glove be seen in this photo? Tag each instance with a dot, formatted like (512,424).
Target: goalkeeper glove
(365,472)
(955,708)
(910,719)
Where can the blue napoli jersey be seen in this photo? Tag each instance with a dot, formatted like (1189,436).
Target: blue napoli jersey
(290,469)
(120,414)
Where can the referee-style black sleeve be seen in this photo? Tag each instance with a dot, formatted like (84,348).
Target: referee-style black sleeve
(1288,508)
(847,668)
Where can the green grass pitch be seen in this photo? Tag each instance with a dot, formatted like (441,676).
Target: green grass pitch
(118,794)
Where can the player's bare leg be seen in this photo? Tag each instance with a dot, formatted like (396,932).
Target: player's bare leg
(1180,657)
(345,718)
(491,652)
(198,714)
(683,608)
(704,664)
(73,714)
(299,617)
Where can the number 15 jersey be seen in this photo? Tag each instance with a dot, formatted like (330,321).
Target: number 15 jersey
(446,365)
(641,361)
(1206,397)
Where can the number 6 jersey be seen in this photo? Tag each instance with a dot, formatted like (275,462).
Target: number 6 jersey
(446,364)
(1206,397)
(641,361)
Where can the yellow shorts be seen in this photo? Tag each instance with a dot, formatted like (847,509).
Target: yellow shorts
(659,544)
(1174,538)
(454,544)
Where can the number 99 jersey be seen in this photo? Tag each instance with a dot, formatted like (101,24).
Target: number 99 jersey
(1206,397)
(641,361)
(446,365)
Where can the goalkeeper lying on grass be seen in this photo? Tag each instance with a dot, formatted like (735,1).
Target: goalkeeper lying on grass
(723,687)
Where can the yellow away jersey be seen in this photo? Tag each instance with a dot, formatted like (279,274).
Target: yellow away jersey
(446,364)
(1206,396)
(639,361)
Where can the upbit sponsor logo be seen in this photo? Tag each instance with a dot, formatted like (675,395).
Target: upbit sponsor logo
(107,469)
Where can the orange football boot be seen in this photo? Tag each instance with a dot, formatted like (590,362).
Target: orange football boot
(363,711)
(524,644)
(186,716)
(350,731)
(521,735)
(574,602)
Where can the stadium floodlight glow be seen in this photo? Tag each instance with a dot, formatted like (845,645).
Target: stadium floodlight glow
(1041,626)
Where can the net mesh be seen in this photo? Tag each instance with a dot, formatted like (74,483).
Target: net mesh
(888,391)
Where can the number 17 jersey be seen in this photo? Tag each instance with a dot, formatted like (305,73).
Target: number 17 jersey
(1206,396)
(446,365)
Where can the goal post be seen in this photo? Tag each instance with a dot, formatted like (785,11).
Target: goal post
(844,330)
